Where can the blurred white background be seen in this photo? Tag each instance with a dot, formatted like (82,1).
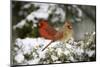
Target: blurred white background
(5,33)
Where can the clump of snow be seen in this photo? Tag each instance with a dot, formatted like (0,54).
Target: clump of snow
(56,53)
(35,61)
(43,12)
(59,51)
(19,58)
(79,51)
(54,58)
(59,14)
(26,6)
(90,53)
(66,52)
(20,24)
(78,9)
(42,54)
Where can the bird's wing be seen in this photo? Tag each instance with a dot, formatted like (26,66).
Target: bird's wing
(51,31)
(58,35)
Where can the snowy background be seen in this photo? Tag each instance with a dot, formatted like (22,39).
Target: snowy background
(26,47)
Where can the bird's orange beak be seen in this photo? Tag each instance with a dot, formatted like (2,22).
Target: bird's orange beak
(39,24)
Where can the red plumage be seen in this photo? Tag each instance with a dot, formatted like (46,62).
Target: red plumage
(46,30)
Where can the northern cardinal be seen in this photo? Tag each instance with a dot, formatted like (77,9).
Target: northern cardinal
(48,32)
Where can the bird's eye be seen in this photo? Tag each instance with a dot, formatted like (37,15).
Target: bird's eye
(70,27)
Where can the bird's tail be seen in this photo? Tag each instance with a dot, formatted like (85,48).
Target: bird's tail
(47,46)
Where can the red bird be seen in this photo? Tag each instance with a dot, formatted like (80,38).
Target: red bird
(48,32)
